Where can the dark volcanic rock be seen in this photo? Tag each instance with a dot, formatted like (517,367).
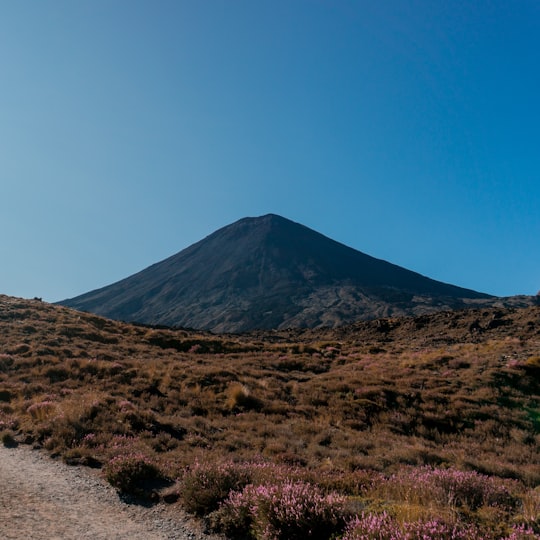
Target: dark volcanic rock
(269,272)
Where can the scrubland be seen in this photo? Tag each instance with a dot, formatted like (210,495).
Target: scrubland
(392,429)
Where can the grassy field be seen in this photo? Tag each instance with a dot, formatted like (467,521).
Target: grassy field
(391,429)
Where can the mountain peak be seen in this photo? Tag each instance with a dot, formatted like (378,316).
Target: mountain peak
(270,272)
(264,223)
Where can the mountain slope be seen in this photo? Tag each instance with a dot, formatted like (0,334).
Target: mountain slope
(269,272)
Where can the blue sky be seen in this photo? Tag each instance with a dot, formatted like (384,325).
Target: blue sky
(130,129)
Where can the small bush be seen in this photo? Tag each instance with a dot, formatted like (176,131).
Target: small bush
(8,440)
(240,399)
(205,486)
(451,487)
(384,527)
(42,410)
(522,532)
(287,511)
(131,473)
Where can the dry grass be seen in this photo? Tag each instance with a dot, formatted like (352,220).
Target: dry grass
(373,397)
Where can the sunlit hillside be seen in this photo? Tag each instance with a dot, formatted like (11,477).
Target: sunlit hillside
(388,425)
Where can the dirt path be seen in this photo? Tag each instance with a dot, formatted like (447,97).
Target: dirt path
(45,499)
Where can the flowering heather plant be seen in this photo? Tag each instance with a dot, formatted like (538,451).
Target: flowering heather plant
(435,529)
(205,485)
(118,445)
(287,511)
(130,472)
(122,442)
(384,527)
(451,487)
(522,532)
(89,440)
(372,527)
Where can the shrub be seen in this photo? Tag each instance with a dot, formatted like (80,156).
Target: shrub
(451,487)
(384,527)
(131,473)
(522,532)
(373,527)
(8,422)
(286,511)
(42,410)
(240,399)
(8,440)
(204,486)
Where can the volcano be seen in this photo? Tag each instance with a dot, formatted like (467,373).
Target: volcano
(270,273)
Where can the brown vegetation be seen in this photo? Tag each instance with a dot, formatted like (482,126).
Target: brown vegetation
(456,390)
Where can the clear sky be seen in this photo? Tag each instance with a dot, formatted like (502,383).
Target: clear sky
(407,129)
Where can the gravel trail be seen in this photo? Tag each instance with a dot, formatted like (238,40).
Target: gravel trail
(45,499)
